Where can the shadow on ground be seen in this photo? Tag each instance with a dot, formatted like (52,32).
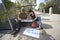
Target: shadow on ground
(46,19)
(46,36)
(4,32)
(47,26)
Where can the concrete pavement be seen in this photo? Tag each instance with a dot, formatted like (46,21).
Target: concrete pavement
(51,24)
(54,28)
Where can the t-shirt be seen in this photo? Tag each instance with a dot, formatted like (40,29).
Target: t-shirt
(23,15)
(33,17)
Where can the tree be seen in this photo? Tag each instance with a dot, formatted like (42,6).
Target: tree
(27,2)
(4,14)
(56,8)
(49,4)
(8,4)
(41,6)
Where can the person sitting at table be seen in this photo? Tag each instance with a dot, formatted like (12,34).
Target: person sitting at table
(22,16)
(18,22)
(35,18)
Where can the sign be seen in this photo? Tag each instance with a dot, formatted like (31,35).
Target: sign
(32,32)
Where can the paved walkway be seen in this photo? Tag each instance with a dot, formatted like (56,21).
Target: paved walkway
(52,26)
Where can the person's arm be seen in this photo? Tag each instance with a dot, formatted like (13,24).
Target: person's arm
(35,19)
(19,18)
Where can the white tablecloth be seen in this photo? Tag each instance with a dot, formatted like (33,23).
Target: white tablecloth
(26,20)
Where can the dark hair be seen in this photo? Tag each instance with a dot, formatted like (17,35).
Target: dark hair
(31,11)
(23,10)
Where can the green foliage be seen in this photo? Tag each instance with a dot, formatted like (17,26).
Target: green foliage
(3,17)
(41,6)
(49,4)
(8,4)
(56,8)
(18,5)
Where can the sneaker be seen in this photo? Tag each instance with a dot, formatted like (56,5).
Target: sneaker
(38,28)
(16,28)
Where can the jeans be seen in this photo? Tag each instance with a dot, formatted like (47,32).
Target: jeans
(39,21)
(18,25)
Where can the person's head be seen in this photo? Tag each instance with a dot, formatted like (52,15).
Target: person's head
(23,11)
(31,11)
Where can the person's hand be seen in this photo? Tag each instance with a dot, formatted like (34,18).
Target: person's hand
(33,20)
(21,20)
(16,20)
